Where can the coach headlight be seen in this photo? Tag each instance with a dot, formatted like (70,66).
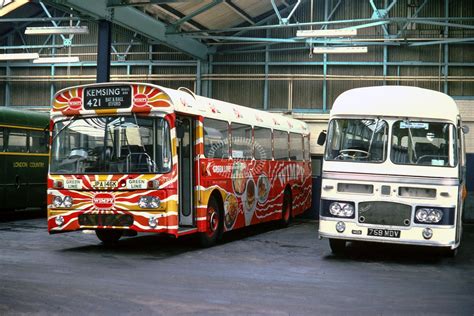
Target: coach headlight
(67,201)
(149,202)
(429,215)
(341,209)
(57,201)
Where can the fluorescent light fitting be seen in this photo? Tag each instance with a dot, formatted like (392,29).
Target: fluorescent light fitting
(340,50)
(56,60)
(325,33)
(19,56)
(48,30)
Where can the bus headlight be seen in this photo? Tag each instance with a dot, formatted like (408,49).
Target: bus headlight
(429,215)
(59,220)
(65,202)
(57,201)
(153,222)
(340,227)
(427,233)
(341,209)
(149,202)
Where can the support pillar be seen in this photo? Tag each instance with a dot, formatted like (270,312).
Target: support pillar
(103,51)
(325,63)
(198,78)
(267,71)
(8,73)
(446,48)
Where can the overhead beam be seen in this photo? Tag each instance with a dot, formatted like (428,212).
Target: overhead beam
(200,10)
(244,15)
(137,21)
(179,15)
(121,3)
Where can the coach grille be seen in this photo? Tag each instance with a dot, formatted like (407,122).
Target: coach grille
(384,213)
(105,220)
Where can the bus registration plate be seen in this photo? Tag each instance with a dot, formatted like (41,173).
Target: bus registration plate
(107,97)
(376,232)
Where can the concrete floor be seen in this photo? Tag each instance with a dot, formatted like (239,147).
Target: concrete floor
(265,271)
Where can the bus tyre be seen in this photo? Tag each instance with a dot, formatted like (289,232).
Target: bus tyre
(338,246)
(213,225)
(286,210)
(109,236)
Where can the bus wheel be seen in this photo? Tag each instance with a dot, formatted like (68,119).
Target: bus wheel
(109,236)
(286,210)
(213,225)
(338,246)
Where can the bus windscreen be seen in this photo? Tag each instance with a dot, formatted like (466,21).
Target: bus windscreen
(111,145)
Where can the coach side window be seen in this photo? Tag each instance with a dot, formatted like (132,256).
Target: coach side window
(216,139)
(2,146)
(307,149)
(296,146)
(280,145)
(17,141)
(38,142)
(263,143)
(242,142)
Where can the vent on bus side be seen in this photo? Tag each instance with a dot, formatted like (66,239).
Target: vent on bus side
(416,192)
(355,188)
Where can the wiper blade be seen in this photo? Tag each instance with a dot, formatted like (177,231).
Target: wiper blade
(69,122)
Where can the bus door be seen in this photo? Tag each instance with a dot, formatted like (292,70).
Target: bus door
(185,133)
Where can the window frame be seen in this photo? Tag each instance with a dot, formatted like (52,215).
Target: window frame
(227,141)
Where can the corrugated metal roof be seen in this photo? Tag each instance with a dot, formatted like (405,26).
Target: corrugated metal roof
(220,16)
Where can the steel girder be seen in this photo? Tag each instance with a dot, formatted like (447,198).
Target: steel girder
(136,21)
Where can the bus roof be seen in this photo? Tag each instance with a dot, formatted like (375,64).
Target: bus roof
(396,101)
(22,118)
(153,98)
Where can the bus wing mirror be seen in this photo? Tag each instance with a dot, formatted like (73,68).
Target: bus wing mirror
(465,129)
(322,138)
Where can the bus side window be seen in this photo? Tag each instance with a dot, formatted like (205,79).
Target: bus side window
(17,141)
(242,143)
(2,143)
(296,147)
(37,142)
(263,143)
(307,149)
(280,145)
(216,139)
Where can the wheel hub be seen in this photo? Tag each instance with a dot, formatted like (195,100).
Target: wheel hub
(213,221)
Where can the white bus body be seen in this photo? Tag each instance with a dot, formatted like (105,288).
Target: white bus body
(394,169)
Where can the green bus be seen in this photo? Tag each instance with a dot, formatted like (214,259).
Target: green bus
(24,156)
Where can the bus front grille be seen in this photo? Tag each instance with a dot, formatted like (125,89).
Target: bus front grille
(385,213)
(121,220)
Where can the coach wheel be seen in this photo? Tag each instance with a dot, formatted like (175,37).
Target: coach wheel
(109,236)
(213,225)
(286,210)
(338,246)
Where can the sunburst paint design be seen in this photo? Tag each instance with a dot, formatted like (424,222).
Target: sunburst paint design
(144,99)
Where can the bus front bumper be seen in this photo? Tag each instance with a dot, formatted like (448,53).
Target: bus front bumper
(441,236)
(140,221)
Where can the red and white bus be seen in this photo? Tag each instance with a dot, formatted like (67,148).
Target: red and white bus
(133,157)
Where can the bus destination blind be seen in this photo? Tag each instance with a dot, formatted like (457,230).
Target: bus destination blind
(110,97)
